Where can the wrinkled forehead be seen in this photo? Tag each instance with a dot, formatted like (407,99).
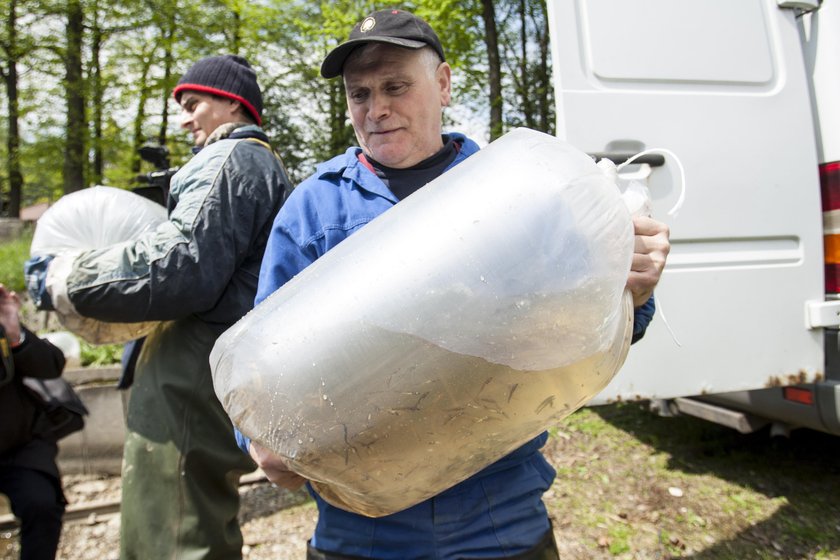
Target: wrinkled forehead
(380,57)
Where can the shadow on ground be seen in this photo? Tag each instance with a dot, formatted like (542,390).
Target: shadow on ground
(265,499)
(804,469)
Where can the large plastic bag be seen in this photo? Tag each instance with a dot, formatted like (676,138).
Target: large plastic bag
(444,334)
(92,218)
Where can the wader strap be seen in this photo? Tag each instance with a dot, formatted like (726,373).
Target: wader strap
(268,147)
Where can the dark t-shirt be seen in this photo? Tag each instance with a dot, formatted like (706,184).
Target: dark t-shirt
(403,182)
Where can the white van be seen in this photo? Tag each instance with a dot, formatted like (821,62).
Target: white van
(745,94)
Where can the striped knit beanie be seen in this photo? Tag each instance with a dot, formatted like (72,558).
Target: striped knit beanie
(227,76)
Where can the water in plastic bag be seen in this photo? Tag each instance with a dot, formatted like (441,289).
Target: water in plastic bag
(93,218)
(443,335)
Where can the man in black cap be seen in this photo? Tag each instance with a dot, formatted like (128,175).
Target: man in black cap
(197,274)
(397,84)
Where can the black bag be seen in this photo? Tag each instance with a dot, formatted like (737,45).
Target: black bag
(63,410)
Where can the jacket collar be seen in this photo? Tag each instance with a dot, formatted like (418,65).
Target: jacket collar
(233,130)
(350,168)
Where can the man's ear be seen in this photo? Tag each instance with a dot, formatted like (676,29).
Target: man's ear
(443,76)
(240,113)
(235,107)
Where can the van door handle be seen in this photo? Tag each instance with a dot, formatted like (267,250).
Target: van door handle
(654,160)
(807,5)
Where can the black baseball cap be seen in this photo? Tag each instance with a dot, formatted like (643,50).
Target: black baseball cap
(395,27)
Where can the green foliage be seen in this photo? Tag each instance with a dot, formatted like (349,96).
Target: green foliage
(41,166)
(619,538)
(103,355)
(13,254)
(142,48)
(740,496)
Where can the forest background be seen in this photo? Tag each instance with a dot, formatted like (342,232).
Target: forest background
(89,82)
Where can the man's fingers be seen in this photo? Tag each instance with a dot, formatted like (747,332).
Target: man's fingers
(649,262)
(643,225)
(275,468)
(650,251)
(651,244)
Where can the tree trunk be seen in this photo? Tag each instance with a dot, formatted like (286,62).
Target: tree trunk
(168,60)
(525,94)
(140,115)
(13,140)
(236,32)
(97,98)
(74,150)
(167,91)
(341,134)
(494,68)
(544,87)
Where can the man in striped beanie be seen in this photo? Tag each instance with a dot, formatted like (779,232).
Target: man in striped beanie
(195,274)
(218,90)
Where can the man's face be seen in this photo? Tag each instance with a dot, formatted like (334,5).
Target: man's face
(202,113)
(395,103)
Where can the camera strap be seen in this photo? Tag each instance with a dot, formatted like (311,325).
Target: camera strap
(7,365)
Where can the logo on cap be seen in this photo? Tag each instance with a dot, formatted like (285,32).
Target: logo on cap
(367,25)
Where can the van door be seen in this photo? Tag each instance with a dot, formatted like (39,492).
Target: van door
(723,86)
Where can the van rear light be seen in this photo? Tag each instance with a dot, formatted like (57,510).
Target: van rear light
(830,191)
(832,278)
(830,185)
(799,395)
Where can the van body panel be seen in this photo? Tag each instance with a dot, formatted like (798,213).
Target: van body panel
(821,44)
(822,415)
(623,41)
(747,248)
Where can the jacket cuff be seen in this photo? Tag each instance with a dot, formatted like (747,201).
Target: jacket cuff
(243,441)
(642,317)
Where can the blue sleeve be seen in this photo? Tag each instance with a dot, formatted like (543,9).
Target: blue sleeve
(290,246)
(242,440)
(641,319)
(35,274)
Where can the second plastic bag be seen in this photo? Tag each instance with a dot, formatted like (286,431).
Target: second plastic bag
(92,218)
(444,334)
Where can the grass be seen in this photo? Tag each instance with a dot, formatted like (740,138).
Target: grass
(742,497)
(739,496)
(13,254)
(103,355)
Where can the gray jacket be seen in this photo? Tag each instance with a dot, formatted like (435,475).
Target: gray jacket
(205,259)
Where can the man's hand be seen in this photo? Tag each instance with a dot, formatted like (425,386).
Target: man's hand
(274,468)
(10,314)
(35,273)
(649,256)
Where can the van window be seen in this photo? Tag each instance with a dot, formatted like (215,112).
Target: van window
(673,41)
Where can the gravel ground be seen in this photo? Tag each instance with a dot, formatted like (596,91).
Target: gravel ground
(275,523)
(629,486)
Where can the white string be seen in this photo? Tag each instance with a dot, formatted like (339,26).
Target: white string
(661,311)
(673,211)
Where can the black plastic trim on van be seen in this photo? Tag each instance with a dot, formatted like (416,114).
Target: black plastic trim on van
(654,160)
(831,338)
